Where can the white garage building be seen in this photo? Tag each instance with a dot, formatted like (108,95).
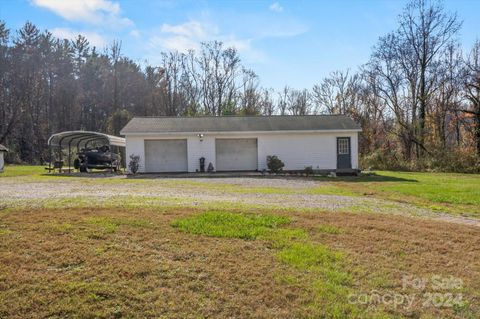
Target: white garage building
(242,143)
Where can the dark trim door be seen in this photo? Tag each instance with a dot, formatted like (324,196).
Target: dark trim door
(344,153)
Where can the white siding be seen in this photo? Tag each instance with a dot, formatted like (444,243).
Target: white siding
(297,150)
(354,146)
(2,163)
(300,150)
(136,146)
(200,147)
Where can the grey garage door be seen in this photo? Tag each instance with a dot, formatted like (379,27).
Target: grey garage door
(166,156)
(236,154)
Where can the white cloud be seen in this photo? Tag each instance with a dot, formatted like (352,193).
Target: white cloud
(189,36)
(185,36)
(94,38)
(276,7)
(174,43)
(193,29)
(99,12)
(135,33)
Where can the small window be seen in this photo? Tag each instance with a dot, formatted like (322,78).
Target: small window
(343,146)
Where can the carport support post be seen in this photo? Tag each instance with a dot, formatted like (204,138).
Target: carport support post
(111,162)
(50,157)
(61,156)
(69,152)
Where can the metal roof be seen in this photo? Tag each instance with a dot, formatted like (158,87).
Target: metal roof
(82,138)
(239,124)
(3,148)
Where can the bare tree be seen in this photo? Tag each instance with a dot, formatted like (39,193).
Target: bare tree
(8,112)
(173,72)
(250,98)
(267,104)
(217,73)
(425,29)
(384,72)
(472,89)
(115,54)
(330,96)
(283,98)
(299,102)
(446,97)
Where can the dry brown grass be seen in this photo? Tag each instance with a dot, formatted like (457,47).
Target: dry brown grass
(51,269)
(132,263)
(382,249)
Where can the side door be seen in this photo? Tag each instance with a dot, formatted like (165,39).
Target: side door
(344,156)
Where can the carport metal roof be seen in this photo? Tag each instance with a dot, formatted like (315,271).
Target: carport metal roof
(82,138)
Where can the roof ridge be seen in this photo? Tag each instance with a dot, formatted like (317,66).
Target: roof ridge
(241,116)
(240,123)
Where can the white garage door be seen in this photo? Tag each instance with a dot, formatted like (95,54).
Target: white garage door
(239,154)
(166,156)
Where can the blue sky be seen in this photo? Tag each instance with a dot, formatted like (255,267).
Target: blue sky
(294,43)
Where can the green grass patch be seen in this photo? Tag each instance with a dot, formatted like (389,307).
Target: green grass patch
(330,283)
(314,266)
(307,256)
(22,170)
(330,190)
(444,192)
(435,187)
(283,237)
(231,225)
(4,231)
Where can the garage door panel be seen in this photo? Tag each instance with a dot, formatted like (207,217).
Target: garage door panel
(166,155)
(236,154)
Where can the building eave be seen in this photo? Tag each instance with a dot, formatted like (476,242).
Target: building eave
(238,132)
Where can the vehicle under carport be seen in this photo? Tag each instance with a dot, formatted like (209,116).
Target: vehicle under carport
(92,150)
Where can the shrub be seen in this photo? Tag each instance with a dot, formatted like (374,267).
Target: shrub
(274,164)
(308,170)
(210,168)
(134,163)
(383,160)
(461,161)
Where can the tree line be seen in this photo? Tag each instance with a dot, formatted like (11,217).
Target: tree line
(417,98)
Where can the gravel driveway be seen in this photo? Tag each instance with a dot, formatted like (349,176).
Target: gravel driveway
(272,193)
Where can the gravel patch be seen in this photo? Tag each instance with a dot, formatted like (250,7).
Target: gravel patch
(261,182)
(190,191)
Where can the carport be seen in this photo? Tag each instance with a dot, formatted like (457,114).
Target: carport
(76,140)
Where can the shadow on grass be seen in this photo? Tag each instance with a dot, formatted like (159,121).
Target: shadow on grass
(371,177)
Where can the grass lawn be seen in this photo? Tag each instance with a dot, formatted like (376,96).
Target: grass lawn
(160,256)
(22,170)
(445,192)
